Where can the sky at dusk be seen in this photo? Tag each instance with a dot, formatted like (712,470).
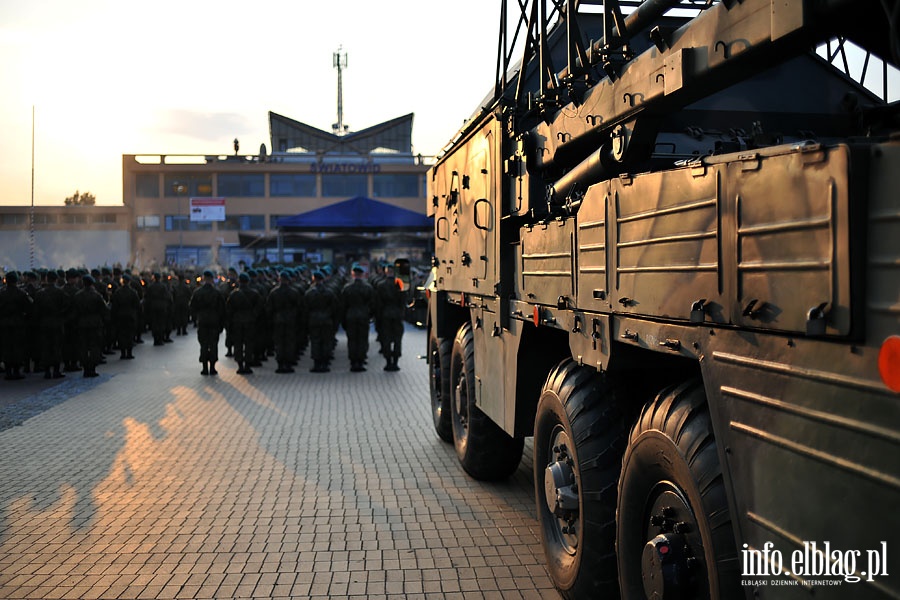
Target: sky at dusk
(107,78)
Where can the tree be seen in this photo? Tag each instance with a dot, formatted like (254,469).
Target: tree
(85,199)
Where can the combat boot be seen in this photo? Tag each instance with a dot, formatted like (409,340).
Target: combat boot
(205,370)
(212,369)
(56,372)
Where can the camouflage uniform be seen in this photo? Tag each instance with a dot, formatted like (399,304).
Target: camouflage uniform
(358,301)
(283,306)
(15,309)
(52,307)
(207,305)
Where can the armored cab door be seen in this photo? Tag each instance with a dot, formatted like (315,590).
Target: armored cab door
(481,202)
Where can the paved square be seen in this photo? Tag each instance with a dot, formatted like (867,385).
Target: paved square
(153,481)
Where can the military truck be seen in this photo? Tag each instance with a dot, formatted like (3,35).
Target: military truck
(667,253)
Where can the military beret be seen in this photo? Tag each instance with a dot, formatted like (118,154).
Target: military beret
(208,273)
(251,272)
(244,277)
(12,277)
(87,280)
(126,276)
(358,269)
(105,271)
(51,275)
(72,273)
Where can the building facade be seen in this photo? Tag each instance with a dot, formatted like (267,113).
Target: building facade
(64,236)
(169,197)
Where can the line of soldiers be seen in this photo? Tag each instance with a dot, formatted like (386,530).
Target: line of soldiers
(282,312)
(65,321)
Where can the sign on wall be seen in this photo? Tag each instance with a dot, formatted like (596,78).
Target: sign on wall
(207,209)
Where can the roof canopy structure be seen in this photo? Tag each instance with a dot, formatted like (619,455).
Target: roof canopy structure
(289,135)
(358,214)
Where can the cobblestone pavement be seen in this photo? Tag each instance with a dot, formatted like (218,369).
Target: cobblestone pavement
(153,481)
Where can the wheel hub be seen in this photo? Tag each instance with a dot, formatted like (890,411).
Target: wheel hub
(668,562)
(664,567)
(561,491)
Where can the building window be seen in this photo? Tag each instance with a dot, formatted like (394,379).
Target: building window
(396,185)
(183,223)
(243,223)
(147,185)
(74,219)
(242,185)
(286,184)
(44,219)
(148,222)
(344,186)
(13,219)
(103,218)
(195,184)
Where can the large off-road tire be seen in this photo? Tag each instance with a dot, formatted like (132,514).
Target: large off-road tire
(439,353)
(579,438)
(484,450)
(675,537)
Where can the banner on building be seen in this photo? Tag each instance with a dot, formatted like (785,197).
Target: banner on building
(207,209)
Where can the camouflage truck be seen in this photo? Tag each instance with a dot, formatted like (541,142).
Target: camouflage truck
(667,252)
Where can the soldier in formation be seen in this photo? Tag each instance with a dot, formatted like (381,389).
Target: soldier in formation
(391,305)
(358,301)
(322,305)
(15,310)
(207,305)
(242,310)
(52,306)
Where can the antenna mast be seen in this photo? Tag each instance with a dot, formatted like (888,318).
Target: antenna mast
(340,63)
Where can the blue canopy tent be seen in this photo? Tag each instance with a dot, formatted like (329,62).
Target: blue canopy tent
(357,215)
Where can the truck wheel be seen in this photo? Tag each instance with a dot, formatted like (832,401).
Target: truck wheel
(485,451)
(675,538)
(439,352)
(579,438)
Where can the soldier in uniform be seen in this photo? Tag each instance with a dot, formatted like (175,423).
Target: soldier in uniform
(263,331)
(391,306)
(207,305)
(283,306)
(70,336)
(107,287)
(358,302)
(181,299)
(321,305)
(92,313)
(241,309)
(15,309)
(52,307)
(157,304)
(126,307)
(226,287)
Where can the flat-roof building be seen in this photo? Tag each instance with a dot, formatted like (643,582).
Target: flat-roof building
(224,209)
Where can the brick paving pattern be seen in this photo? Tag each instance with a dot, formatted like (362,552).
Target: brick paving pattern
(153,481)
